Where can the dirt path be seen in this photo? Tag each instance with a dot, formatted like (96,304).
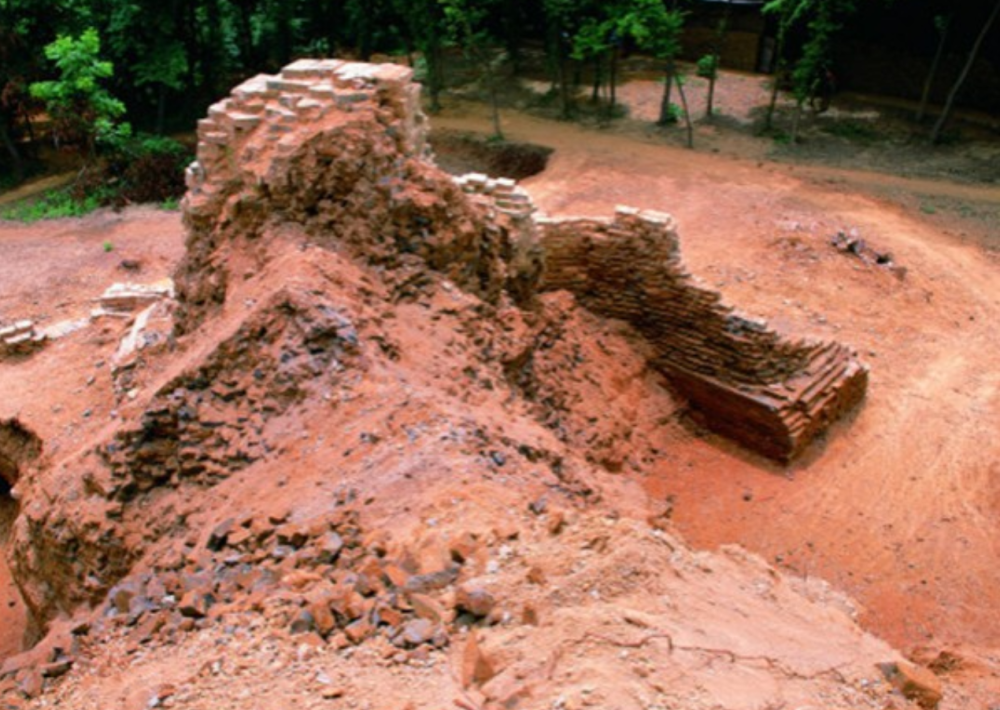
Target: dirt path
(902,506)
(36,187)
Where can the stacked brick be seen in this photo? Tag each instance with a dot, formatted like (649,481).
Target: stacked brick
(125,299)
(502,194)
(771,395)
(21,338)
(285,105)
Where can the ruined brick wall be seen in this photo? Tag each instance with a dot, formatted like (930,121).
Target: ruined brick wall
(770,394)
(340,149)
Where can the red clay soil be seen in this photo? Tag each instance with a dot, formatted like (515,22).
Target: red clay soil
(899,507)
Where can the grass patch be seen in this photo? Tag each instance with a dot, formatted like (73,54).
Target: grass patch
(53,205)
(928,208)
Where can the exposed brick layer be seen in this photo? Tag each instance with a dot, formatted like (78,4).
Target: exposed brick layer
(772,395)
(341,148)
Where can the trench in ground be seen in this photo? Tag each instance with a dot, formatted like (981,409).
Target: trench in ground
(18,446)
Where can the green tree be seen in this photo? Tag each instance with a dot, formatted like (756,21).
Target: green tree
(562,19)
(949,105)
(82,110)
(468,24)
(425,30)
(708,66)
(657,30)
(822,21)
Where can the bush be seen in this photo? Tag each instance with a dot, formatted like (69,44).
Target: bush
(136,170)
(147,169)
(708,66)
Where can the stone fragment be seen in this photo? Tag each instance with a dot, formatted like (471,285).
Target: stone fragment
(915,683)
(475,600)
(219,536)
(415,632)
(195,604)
(477,668)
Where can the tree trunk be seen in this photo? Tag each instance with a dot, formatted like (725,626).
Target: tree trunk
(161,109)
(435,82)
(949,104)
(666,117)
(687,114)
(17,163)
(935,63)
(613,79)
(796,121)
(595,95)
(720,41)
(565,100)
(495,105)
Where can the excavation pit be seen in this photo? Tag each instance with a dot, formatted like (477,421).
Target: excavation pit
(459,152)
(19,447)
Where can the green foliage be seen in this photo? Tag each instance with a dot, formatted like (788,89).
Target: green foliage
(674,114)
(83,110)
(708,66)
(822,21)
(108,246)
(467,22)
(145,169)
(53,205)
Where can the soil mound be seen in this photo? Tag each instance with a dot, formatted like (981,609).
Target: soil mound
(359,462)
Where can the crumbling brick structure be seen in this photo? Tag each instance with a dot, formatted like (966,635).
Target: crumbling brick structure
(770,394)
(341,148)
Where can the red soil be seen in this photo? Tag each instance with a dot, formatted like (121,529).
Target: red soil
(900,507)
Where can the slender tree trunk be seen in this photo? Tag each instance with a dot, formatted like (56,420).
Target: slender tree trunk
(562,76)
(435,79)
(17,163)
(613,78)
(495,105)
(720,41)
(666,116)
(595,95)
(949,104)
(161,109)
(796,121)
(687,114)
(935,64)
(773,104)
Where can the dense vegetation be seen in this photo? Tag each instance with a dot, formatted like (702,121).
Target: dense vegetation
(99,70)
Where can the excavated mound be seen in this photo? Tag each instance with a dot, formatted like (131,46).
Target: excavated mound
(354,468)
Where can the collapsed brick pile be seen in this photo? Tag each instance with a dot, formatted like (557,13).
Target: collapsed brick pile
(772,395)
(325,580)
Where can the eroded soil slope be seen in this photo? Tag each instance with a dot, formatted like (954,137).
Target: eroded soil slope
(458,520)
